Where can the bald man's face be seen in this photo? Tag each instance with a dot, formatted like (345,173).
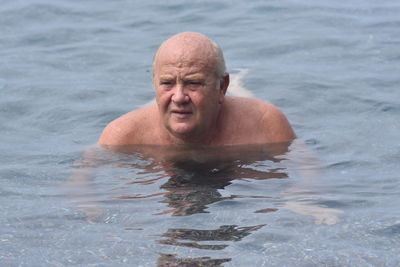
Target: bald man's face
(188,92)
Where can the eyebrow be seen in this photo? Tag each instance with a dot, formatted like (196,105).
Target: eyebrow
(166,77)
(194,77)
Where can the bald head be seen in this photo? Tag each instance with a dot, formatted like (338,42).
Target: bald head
(196,45)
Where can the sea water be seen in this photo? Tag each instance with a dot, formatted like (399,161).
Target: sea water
(330,198)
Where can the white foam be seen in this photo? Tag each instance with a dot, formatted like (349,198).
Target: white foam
(236,87)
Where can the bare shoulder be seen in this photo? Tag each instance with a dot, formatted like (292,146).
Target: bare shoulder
(130,128)
(277,124)
(269,122)
(247,103)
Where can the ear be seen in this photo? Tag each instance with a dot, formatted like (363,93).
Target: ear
(223,87)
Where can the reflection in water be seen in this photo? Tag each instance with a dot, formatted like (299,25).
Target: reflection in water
(223,233)
(192,237)
(188,180)
(170,260)
(189,192)
(195,174)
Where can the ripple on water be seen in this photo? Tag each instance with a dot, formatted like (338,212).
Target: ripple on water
(391,231)
(2,84)
(379,105)
(68,68)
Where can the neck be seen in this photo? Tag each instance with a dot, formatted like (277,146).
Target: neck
(189,139)
(201,138)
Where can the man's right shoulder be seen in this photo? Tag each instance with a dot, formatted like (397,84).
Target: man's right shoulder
(130,128)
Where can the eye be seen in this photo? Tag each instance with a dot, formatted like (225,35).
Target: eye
(166,83)
(194,84)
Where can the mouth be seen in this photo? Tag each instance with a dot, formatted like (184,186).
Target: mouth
(181,113)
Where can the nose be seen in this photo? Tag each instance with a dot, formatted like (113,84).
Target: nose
(180,96)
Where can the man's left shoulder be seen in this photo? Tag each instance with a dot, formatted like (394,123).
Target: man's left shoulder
(256,107)
(276,123)
(271,120)
(270,112)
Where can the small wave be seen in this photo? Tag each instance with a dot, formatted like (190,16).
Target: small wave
(2,84)
(236,87)
(377,105)
(393,230)
(342,164)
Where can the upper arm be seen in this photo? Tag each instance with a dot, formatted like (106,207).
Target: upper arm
(120,131)
(112,134)
(131,128)
(278,126)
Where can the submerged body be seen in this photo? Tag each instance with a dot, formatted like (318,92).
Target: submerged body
(190,82)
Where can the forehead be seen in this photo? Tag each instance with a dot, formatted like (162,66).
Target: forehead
(185,54)
(184,58)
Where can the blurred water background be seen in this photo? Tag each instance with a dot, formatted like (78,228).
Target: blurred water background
(67,68)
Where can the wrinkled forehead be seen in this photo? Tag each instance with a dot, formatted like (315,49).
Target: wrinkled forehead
(186,53)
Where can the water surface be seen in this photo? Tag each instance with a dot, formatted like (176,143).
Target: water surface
(70,67)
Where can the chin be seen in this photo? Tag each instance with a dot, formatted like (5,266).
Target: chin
(181,130)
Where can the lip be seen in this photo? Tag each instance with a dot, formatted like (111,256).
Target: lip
(183,112)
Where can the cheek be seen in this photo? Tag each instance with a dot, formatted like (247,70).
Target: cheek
(163,99)
(197,99)
(207,99)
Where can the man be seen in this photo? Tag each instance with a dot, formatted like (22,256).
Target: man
(190,80)
(191,107)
